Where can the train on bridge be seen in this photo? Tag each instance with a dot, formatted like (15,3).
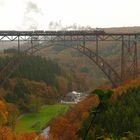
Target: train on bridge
(41,32)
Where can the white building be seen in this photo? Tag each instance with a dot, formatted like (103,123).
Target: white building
(72,97)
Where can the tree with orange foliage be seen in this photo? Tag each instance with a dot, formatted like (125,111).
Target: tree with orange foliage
(7,134)
(30,136)
(13,114)
(3,113)
(63,85)
(65,127)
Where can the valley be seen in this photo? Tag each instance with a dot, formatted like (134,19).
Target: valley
(48,92)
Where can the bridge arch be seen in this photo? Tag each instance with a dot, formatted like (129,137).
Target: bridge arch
(112,75)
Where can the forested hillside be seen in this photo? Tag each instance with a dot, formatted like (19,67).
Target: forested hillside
(37,81)
(120,120)
(116,118)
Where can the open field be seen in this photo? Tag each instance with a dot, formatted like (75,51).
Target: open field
(36,121)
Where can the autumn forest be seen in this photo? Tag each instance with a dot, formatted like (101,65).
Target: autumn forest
(31,106)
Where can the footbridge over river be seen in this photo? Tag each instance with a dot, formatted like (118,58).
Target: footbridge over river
(78,39)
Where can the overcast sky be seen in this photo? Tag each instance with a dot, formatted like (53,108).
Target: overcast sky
(43,14)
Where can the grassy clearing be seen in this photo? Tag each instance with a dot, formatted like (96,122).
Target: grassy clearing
(36,121)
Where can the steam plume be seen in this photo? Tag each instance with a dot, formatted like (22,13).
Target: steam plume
(29,20)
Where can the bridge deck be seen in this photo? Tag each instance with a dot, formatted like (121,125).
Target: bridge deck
(60,33)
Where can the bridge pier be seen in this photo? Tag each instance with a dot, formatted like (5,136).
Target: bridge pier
(129,68)
(97,47)
(18,44)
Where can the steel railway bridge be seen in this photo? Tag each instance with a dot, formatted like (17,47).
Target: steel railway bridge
(78,40)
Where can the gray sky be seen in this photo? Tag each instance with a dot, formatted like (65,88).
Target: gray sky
(42,14)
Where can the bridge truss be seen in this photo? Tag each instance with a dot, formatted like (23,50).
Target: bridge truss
(78,39)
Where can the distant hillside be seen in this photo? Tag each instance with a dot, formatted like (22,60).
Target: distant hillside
(74,61)
(123,29)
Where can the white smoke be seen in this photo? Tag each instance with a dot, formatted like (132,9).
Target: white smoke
(54,25)
(32,10)
(33,7)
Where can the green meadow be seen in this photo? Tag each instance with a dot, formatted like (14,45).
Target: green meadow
(37,121)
